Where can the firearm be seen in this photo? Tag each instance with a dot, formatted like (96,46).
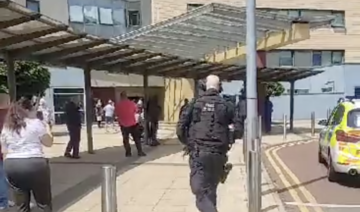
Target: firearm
(186,150)
(227,168)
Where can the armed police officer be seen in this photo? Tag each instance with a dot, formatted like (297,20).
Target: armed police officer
(204,129)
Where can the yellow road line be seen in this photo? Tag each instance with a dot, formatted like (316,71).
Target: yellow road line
(286,183)
(308,196)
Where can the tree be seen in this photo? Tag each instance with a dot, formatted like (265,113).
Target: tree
(274,88)
(32,79)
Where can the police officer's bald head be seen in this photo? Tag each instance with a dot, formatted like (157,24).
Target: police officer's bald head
(212,82)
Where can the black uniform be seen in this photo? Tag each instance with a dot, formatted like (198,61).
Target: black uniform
(73,123)
(204,128)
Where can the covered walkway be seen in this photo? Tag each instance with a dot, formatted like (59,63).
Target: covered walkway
(26,35)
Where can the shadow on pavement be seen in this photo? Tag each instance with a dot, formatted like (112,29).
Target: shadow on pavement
(74,179)
(348,181)
(282,190)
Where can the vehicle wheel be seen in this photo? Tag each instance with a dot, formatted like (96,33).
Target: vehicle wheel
(332,175)
(320,157)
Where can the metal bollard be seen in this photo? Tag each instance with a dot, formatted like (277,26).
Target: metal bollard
(259,128)
(312,123)
(245,149)
(284,127)
(250,180)
(254,178)
(108,189)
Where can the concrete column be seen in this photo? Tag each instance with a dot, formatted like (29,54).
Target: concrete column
(292,105)
(11,78)
(89,109)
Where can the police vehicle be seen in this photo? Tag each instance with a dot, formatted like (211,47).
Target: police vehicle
(339,140)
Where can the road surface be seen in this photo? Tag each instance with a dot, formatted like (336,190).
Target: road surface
(302,184)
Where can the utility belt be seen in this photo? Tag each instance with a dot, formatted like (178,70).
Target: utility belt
(194,150)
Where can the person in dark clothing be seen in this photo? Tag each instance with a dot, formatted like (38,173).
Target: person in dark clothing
(184,106)
(73,123)
(206,129)
(154,111)
(268,107)
(240,116)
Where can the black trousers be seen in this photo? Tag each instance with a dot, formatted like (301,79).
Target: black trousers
(74,142)
(206,171)
(153,128)
(26,176)
(135,133)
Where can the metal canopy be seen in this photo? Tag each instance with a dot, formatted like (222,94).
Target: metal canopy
(274,74)
(173,48)
(210,28)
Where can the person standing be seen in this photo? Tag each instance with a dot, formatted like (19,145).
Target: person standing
(126,111)
(73,124)
(109,115)
(99,113)
(184,106)
(154,111)
(25,165)
(46,112)
(207,123)
(268,107)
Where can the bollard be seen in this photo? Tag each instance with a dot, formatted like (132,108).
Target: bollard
(313,124)
(250,180)
(254,179)
(259,127)
(108,189)
(284,127)
(254,170)
(245,141)
(257,175)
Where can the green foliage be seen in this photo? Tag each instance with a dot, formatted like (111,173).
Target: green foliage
(274,88)
(32,79)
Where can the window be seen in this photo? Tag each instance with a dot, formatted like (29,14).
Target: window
(326,58)
(353,119)
(193,6)
(105,16)
(339,20)
(286,58)
(327,90)
(33,5)
(91,15)
(294,13)
(76,14)
(118,16)
(298,91)
(133,18)
(337,115)
(337,57)
(316,58)
(301,91)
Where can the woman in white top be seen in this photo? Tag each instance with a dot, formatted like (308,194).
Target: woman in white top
(27,170)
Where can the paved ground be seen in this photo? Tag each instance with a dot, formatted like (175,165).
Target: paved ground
(302,184)
(158,182)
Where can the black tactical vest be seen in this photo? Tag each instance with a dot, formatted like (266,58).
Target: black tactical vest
(209,125)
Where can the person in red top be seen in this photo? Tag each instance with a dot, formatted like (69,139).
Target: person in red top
(125,111)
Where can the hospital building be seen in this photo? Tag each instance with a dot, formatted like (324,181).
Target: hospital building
(334,49)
